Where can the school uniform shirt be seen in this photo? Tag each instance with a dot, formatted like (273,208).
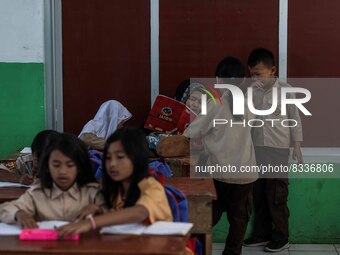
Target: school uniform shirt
(54,204)
(277,136)
(225,145)
(153,198)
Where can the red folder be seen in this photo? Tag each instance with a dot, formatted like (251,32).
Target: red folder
(167,114)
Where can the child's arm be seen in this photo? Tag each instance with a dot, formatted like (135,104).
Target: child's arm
(135,214)
(151,206)
(297,154)
(202,124)
(93,141)
(91,209)
(96,204)
(24,220)
(9,210)
(296,132)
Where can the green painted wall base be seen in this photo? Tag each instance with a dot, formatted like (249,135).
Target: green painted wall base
(314,212)
(22,109)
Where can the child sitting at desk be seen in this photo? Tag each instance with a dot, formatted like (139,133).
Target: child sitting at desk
(130,192)
(65,191)
(28,165)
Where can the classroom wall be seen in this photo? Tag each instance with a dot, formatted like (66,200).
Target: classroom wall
(195,35)
(22,110)
(106,55)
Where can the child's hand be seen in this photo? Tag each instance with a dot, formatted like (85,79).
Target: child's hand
(75,228)
(171,132)
(25,220)
(297,155)
(26,179)
(257,84)
(92,209)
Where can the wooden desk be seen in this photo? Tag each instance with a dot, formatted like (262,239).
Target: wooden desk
(200,193)
(8,194)
(94,243)
(180,166)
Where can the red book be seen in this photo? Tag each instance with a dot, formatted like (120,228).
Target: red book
(167,114)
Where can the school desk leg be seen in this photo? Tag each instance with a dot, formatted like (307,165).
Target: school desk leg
(208,244)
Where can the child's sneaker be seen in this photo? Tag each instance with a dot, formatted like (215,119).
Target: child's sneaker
(255,241)
(276,246)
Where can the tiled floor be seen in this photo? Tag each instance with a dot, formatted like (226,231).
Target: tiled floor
(295,249)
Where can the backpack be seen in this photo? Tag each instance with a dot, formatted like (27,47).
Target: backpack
(96,159)
(178,203)
(195,245)
(162,167)
(177,200)
(179,209)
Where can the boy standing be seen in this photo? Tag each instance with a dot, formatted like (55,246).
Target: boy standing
(228,146)
(272,149)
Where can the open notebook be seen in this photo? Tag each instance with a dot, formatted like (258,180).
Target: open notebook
(157,228)
(13,229)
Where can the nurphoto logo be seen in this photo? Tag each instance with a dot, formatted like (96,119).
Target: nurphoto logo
(239,105)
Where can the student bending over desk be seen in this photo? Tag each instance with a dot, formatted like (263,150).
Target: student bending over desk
(110,116)
(130,192)
(65,191)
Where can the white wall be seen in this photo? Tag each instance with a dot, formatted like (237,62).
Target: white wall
(21,31)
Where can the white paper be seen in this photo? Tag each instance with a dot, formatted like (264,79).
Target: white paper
(13,184)
(168,228)
(51,224)
(26,150)
(131,229)
(9,229)
(13,229)
(157,228)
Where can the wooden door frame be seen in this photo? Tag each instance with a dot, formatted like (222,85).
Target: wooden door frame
(53,65)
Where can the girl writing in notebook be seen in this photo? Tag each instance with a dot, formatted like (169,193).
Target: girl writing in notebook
(129,191)
(66,190)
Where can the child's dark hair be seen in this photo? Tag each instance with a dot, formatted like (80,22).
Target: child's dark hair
(261,55)
(135,146)
(181,88)
(231,71)
(40,141)
(72,147)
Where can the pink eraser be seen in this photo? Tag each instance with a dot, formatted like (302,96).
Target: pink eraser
(44,234)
